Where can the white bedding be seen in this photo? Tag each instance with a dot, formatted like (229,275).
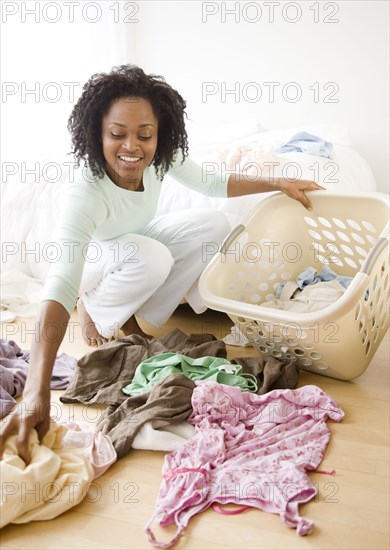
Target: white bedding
(29,208)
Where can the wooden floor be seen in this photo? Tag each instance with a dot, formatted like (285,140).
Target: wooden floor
(351,510)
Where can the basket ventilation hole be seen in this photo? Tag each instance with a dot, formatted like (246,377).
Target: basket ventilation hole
(354,225)
(357,312)
(321,365)
(362,323)
(369,226)
(329,235)
(357,238)
(350,262)
(375,282)
(315,234)
(308,345)
(361,251)
(299,351)
(324,221)
(343,236)
(368,347)
(347,249)
(320,248)
(310,221)
(339,223)
(306,362)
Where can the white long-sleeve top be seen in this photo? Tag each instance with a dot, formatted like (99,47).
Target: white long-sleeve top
(97,209)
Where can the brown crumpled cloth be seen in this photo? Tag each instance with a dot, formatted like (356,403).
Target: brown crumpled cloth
(271,373)
(167,403)
(101,375)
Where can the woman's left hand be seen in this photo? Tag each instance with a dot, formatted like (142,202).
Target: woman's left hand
(295,189)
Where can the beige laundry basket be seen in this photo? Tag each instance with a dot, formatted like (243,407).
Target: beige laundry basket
(349,233)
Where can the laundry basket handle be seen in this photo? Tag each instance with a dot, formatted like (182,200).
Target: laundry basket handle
(374,254)
(231,238)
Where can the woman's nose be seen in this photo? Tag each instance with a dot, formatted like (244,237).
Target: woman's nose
(131,143)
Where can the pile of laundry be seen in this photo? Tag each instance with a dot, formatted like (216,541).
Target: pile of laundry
(219,420)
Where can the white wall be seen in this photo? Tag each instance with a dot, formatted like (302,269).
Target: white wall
(48,51)
(343,46)
(193,48)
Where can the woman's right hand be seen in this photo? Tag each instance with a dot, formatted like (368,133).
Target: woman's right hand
(32,412)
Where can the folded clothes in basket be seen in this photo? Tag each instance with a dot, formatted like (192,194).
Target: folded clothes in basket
(311,291)
(310,276)
(311,298)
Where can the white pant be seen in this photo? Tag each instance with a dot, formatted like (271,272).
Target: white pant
(149,273)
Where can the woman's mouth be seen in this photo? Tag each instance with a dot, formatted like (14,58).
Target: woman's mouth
(129,161)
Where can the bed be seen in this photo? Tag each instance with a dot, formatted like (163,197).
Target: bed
(31,202)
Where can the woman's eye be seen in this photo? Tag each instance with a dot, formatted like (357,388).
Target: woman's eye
(118,136)
(145,137)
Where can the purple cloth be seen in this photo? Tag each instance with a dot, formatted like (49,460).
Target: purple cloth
(14,365)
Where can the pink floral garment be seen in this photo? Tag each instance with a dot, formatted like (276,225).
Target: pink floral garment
(247,449)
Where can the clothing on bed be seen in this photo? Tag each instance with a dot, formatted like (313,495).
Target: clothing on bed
(249,450)
(303,142)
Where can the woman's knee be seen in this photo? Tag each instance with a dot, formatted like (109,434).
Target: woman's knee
(220,225)
(158,262)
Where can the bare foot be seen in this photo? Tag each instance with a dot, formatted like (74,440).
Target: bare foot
(89,331)
(132,327)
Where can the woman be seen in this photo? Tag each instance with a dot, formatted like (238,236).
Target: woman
(121,260)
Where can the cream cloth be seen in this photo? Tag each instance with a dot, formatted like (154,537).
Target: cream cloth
(56,479)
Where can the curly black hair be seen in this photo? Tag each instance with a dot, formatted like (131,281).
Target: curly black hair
(101,90)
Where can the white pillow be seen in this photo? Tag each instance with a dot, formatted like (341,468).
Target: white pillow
(203,139)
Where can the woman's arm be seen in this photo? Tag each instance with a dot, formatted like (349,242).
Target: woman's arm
(239,185)
(210,180)
(34,410)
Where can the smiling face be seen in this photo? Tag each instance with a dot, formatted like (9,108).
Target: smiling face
(129,139)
